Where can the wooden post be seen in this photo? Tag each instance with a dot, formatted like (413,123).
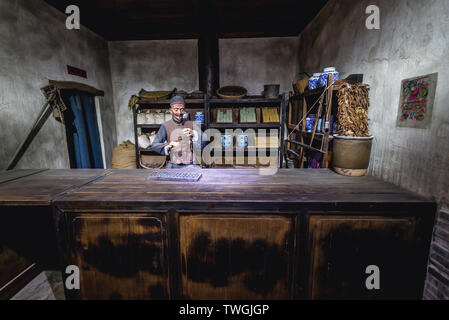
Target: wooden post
(136,137)
(208,63)
(304,111)
(41,119)
(330,91)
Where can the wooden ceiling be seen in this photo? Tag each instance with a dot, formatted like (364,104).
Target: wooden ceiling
(176,19)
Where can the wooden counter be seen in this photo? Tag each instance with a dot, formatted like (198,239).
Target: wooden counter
(27,233)
(236,234)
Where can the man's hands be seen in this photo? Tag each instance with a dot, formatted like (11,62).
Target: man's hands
(171,145)
(188,131)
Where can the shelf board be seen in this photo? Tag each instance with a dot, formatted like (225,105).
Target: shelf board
(148,126)
(154,126)
(167,101)
(309,93)
(148,150)
(248,148)
(244,125)
(247,100)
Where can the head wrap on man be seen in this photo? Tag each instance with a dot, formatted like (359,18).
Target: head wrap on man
(176,100)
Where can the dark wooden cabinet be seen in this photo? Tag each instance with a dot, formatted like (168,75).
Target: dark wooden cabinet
(341,248)
(234,234)
(237,234)
(120,256)
(27,233)
(236,256)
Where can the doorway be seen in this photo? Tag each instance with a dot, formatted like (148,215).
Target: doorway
(82,131)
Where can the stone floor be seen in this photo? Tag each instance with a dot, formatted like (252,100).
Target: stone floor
(47,285)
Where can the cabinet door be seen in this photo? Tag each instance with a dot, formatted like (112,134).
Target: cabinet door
(236,256)
(120,256)
(341,249)
(14,270)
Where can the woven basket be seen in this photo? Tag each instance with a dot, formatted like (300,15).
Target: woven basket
(232,92)
(154,94)
(152,162)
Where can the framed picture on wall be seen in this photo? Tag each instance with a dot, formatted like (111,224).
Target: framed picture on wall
(416,102)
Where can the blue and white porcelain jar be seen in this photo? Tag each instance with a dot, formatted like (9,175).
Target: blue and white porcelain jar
(199,117)
(314,80)
(226,141)
(310,122)
(325,75)
(242,140)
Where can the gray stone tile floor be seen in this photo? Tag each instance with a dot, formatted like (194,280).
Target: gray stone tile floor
(47,285)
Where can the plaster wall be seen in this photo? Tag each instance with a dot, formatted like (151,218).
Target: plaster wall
(412,41)
(35,46)
(152,65)
(254,62)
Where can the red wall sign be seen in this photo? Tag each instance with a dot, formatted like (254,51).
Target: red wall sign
(76,72)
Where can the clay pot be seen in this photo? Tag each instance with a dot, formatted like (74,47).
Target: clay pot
(351,155)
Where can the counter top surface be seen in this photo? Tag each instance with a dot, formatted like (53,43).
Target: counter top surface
(228,187)
(234,186)
(40,187)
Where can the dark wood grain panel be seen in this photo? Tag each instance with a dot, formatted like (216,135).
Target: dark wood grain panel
(341,248)
(120,256)
(27,234)
(42,187)
(6,176)
(236,256)
(232,235)
(287,185)
(13,269)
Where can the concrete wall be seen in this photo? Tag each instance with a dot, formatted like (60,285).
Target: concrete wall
(253,62)
(412,41)
(151,65)
(35,46)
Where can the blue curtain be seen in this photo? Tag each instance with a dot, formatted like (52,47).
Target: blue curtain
(86,137)
(92,128)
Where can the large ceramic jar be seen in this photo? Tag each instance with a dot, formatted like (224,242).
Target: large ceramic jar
(242,140)
(325,75)
(226,141)
(314,80)
(351,155)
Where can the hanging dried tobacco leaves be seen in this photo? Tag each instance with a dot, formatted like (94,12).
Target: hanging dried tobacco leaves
(353,104)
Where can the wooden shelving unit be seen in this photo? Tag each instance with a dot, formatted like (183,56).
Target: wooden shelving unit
(192,106)
(322,103)
(207,106)
(250,101)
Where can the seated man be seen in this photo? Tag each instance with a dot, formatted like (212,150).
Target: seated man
(175,136)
